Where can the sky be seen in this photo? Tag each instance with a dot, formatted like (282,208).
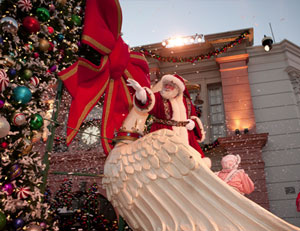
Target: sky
(152,21)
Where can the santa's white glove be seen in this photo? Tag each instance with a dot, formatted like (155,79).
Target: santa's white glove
(140,92)
(190,125)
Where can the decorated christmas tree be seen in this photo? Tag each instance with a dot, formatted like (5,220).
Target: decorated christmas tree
(38,38)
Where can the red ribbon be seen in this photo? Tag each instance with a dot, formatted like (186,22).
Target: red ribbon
(87,82)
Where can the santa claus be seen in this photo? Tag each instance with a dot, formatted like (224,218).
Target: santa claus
(172,109)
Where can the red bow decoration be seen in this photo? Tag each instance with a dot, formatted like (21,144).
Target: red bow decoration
(87,82)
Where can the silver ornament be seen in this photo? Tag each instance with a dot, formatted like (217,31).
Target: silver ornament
(33,227)
(4,127)
(9,25)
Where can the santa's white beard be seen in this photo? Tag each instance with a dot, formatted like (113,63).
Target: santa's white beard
(169,94)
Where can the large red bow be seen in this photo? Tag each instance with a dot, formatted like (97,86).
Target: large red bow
(87,82)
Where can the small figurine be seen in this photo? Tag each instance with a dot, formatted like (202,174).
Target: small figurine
(236,178)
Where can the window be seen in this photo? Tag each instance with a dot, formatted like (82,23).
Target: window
(216,112)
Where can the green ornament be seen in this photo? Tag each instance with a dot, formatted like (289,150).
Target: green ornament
(68,52)
(42,14)
(36,122)
(76,20)
(2,220)
(27,74)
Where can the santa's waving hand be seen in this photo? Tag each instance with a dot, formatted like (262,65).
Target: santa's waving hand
(140,92)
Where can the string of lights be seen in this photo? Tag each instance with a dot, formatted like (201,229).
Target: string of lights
(208,147)
(210,54)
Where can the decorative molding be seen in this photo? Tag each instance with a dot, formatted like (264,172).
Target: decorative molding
(244,141)
(234,68)
(233,58)
(278,48)
(294,75)
(293,72)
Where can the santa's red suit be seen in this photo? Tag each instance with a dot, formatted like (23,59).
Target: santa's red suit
(174,113)
(298,202)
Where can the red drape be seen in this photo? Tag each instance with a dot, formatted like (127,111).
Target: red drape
(87,82)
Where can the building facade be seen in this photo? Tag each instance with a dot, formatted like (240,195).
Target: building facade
(249,101)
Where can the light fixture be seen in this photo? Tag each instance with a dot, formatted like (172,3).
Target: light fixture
(181,41)
(237,131)
(246,131)
(267,43)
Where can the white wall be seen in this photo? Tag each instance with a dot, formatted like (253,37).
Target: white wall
(277,113)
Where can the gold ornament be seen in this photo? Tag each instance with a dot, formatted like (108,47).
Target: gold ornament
(27,146)
(36,136)
(27,149)
(6,60)
(61,2)
(44,45)
(74,47)
(33,227)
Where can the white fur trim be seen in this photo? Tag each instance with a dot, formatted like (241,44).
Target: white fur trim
(151,105)
(179,114)
(191,125)
(201,126)
(175,80)
(207,161)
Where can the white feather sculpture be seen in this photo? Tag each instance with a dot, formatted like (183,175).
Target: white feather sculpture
(158,183)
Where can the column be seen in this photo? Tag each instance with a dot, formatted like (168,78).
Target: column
(236,93)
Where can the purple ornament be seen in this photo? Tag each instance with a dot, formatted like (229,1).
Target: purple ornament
(53,68)
(18,223)
(9,188)
(43,225)
(15,171)
(12,72)
(1,103)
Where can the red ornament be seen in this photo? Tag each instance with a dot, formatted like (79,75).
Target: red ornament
(28,47)
(50,29)
(31,24)
(34,81)
(36,55)
(51,47)
(4,144)
(23,193)
(25,5)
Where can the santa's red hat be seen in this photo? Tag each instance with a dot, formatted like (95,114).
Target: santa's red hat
(178,80)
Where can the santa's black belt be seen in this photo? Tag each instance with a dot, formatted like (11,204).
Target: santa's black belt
(170,122)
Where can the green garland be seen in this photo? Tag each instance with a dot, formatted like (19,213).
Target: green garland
(210,54)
